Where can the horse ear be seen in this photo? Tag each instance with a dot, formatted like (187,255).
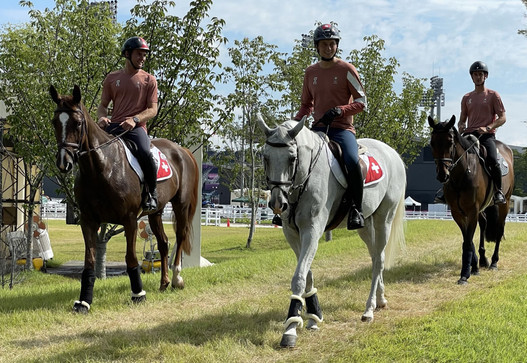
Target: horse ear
(76,94)
(263,126)
(295,130)
(431,121)
(54,94)
(451,122)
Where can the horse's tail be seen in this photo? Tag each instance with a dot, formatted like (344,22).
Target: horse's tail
(492,229)
(186,244)
(397,242)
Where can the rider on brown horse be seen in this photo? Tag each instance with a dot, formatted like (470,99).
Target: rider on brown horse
(482,112)
(134,96)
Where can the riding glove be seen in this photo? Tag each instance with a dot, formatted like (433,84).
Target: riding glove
(330,115)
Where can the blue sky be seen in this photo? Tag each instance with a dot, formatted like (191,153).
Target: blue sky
(428,38)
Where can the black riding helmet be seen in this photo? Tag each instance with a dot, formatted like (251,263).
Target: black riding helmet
(134,43)
(479,66)
(326,31)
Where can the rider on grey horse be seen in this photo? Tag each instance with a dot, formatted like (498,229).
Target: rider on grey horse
(333,90)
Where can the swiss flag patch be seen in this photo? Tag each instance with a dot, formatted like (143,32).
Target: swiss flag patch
(375,172)
(163,169)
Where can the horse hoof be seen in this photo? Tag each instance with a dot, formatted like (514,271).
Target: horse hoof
(138,299)
(80,308)
(312,325)
(493,267)
(288,341)
(462,281)
(164,286)
(475,272)
(178,284)
(382,305)
(366,318)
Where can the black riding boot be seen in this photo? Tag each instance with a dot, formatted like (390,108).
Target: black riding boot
(499,197)
(355,188)
(150,195)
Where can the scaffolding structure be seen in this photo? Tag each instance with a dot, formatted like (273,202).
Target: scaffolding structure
(15,246)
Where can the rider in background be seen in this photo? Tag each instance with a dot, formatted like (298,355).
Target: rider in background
(332,88)
(482,112)
(134,96)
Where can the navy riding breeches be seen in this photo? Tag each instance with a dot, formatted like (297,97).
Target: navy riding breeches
(348,143)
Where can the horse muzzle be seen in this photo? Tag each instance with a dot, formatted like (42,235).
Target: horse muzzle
(65,160)
(278,201)
(442,176)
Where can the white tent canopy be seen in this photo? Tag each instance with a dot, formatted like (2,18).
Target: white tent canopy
(410,202)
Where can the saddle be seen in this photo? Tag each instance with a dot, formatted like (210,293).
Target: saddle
(164,171)
(481,152)
(369,168)
(336,150)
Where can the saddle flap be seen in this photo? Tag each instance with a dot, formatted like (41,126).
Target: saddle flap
(164,171)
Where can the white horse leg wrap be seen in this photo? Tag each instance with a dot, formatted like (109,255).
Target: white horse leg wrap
(313,291)
(140,294)
(314,317)
(294,319)
(299,298)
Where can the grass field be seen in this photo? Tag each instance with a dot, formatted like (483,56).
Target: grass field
(233,311)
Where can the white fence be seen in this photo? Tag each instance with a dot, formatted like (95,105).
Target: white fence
(213,216)
(209,216)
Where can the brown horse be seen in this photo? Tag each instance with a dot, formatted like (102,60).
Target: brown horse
(469,191)
(107,190)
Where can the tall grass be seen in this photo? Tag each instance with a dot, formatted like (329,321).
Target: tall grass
(233,311)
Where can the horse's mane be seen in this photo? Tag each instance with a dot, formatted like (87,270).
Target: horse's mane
(464,142)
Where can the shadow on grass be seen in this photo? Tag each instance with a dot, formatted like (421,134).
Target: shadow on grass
(58,299)
(415,272)
(97,345)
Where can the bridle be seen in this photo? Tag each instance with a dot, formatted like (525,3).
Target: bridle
(452,152)
(288,187)
(282,183)
(74,150)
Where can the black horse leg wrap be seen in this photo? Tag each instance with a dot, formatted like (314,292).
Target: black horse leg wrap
(134,274)
(87,282)
(295,308)
(313,307)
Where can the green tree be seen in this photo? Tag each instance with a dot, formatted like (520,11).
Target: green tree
(184,58)
(63,46)
(254,87)
(391,118)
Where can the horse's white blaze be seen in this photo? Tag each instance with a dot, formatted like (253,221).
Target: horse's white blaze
(63,118)
(62,156)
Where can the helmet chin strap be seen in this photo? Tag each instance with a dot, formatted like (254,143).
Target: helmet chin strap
(327,59)
(132,63)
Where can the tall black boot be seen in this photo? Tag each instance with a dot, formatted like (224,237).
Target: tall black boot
(499,197)
(150,172)
(355,188)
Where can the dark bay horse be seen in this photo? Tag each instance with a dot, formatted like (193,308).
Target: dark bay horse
(469,191)
(108,190)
